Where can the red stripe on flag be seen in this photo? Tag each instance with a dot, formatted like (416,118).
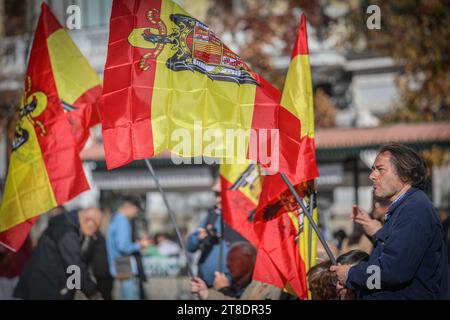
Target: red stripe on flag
(264,118)
(51,24)
(13,238)
(235,209)
(278,250)
(266,270)
(90,102)
(85,115)
(126,113)
(274,185)
(54,135)
(301,42)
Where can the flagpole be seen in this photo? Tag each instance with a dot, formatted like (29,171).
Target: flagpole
(311,220)
(311,213)
(172,217)
(221,243)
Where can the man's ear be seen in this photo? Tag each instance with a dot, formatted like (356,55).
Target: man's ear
(405,180)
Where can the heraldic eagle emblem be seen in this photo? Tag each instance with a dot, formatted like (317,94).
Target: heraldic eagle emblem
(196,48)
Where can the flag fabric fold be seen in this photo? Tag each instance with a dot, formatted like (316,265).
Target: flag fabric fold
(78,85)
(45,169)
(297,102)
(171,84)
(261,208)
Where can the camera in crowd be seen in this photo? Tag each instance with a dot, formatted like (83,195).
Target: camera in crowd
(212,238)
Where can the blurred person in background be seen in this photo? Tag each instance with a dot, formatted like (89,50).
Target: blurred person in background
(46,273)
(207,240)
(166,247)
(97,259)
(240,261)
(121,249)
(11,267)
(339,237)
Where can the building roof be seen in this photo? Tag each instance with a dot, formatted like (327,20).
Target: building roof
(341,142)
(351,141)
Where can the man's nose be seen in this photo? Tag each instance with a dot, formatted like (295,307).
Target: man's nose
(373,175)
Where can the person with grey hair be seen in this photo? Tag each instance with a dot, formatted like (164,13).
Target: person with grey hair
(57,256)
(409,259)
(240,261)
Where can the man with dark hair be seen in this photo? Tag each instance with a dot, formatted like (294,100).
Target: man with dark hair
(409,260)
(122,250)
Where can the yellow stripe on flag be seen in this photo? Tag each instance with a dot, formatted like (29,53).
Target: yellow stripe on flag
(233,172)
(73,74)
(297,93)
(28,192)
(179,103)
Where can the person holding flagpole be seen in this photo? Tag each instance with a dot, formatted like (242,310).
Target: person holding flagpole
(409,259)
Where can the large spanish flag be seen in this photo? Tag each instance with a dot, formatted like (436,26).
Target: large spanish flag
(171,84)
(45,169)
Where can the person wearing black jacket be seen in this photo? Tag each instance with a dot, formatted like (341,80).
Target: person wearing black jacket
(46,273)
(97,260)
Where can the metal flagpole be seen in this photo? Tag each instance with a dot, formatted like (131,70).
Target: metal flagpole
(221,243)
(172,217)
(308,215)
(311,213)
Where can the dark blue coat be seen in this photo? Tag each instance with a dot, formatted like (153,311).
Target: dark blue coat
(410,253)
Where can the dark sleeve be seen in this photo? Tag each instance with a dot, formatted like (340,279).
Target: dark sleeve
(401,253)
(70,250)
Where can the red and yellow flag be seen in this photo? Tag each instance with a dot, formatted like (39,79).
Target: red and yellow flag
(297,101)
(171,84)
(77,83)
(287,248)
(45,169)
(240,190)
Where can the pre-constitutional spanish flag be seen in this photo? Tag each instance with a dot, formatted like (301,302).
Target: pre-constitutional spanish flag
(45,169)
(171,84)
(288,222)
(280,231)
(297,99)
(285,243)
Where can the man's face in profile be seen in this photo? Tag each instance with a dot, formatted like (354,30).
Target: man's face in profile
(384,177)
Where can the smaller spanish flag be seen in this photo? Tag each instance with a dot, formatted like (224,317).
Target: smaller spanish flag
(45,168)
(261,208)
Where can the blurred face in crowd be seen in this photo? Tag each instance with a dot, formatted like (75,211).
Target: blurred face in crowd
(384,177)
(129,210)
(379,211)
(90,220)
(239,263)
